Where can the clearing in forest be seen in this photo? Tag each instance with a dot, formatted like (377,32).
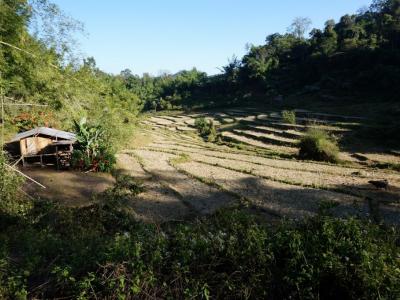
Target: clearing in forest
(254,165)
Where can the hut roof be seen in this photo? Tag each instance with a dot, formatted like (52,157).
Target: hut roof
(51,132)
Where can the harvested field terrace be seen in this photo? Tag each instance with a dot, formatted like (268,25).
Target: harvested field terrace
(253,166)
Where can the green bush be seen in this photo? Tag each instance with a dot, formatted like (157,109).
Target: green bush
(206,129)
(11,201)
(202,125)
(316,144)
(102,162)
(79,160)
(122,193)
(289,116)
(105,161)
(212,134)
(101,252)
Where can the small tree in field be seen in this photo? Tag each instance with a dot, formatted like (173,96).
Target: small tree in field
(206,129)
(289,116)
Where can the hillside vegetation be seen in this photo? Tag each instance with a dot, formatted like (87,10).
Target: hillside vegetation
(353,61)
(42,68)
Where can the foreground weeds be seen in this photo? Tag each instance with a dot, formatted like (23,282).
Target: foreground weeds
(101,251)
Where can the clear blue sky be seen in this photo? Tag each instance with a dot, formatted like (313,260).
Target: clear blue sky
(171,35)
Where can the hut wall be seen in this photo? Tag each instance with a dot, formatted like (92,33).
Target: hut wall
(33,145)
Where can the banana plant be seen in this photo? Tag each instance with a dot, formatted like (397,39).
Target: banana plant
(90,137)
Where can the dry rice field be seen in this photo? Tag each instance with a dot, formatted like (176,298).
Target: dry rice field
(253,166)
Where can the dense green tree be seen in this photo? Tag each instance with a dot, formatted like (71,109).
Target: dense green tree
(324,42)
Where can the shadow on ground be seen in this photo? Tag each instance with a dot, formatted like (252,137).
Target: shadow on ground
(164,199)
(287,201)
(69,188)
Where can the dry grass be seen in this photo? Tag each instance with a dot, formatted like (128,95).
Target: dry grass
(284,199)
(200,197)
(256,143)
(207,176)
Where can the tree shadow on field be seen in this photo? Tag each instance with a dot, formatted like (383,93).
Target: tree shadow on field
(298,202)
(171,195)
(275,199)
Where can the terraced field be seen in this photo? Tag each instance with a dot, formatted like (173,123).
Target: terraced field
(254,166)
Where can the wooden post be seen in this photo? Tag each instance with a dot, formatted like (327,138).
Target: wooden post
(23,161)
(41,160)
(58,167)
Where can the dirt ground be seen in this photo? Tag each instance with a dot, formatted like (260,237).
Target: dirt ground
(69,188)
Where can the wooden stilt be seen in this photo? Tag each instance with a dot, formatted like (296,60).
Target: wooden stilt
(57,159)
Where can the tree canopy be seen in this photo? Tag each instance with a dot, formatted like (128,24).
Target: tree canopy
(358,55)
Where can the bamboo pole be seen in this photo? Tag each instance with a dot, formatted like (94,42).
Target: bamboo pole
(25,104)
(17,102)
(2,113)
(26,176)
(19,159)
(26,52)
(72,101)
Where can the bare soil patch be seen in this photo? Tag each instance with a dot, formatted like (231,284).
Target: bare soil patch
(157,203)
(69,188)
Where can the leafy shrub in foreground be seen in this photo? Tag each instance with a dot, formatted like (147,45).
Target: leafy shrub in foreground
(10,183)
(102,252)
(289,116)
(318,145)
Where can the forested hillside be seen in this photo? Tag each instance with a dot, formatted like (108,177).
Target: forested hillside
(356,57)
(38,65)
